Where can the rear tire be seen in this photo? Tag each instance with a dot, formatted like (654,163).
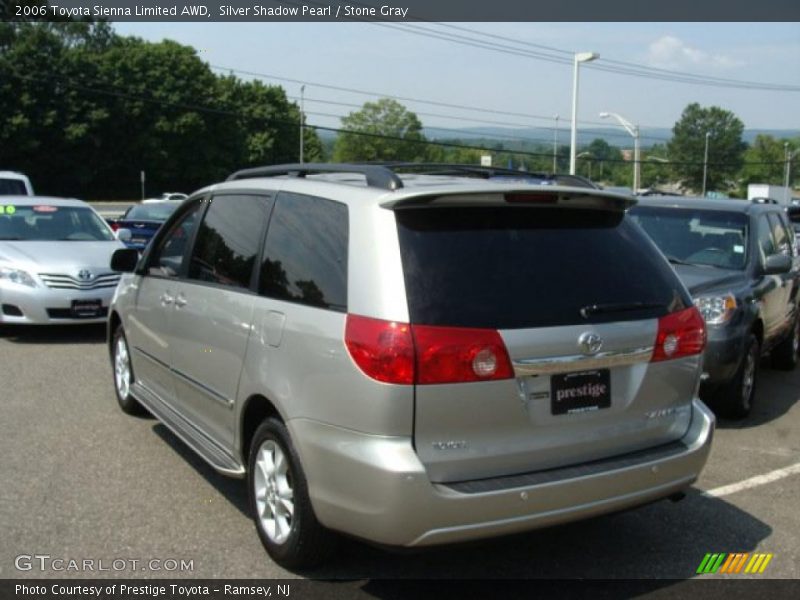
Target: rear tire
(282,511)
(123,374)
(735,400)
(785,355)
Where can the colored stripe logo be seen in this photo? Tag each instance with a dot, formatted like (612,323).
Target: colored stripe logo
(734,563)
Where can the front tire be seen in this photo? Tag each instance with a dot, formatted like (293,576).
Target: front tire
(735,400)
(123,374)
(282,511)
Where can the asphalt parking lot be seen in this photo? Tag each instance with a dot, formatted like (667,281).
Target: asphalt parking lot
(81,480)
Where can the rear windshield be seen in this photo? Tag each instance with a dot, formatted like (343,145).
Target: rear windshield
(13,187)
(512,268)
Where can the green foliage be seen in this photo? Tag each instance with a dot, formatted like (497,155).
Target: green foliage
(765,149)
(362,139)
(84,111)
(725,147)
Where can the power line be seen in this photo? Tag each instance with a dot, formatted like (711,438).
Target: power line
(420,101)
(198,108)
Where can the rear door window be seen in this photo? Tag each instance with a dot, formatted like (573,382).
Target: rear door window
(509,268)
(13,187)
(305,256)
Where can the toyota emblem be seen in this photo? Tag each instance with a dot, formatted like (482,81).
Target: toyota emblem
(85,274)
(590,343)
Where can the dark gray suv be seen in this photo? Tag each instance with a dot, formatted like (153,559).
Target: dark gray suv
(738,260)
(414,359)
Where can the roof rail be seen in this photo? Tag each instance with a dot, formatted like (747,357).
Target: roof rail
(376,175)
(457,169)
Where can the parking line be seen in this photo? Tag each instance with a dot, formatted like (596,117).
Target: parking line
(753,481)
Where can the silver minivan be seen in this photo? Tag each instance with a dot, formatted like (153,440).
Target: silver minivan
(411,358)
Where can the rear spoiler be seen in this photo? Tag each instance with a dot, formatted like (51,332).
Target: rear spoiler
(546,196)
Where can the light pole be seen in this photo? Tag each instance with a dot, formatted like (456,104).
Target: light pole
(578,58)
(302,121)
(705,164)
(786,182)
(555,147)
(634,131)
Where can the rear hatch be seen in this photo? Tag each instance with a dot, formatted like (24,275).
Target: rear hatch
(578,297)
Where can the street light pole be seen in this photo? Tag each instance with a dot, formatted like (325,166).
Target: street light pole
(555,147)
(705,164)
(637,160)
(302,121)
(578,58)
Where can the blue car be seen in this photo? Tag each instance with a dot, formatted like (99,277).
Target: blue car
(143,220)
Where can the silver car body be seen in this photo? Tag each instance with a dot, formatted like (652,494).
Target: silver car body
(411,465)
(61,273)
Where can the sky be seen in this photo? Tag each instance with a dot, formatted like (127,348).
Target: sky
(402,60)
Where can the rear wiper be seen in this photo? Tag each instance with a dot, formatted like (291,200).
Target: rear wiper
(597,309)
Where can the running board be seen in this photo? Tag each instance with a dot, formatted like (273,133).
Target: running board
(205,448)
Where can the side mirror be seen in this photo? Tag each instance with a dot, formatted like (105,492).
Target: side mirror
(777,264)
(125,260)
(124,235)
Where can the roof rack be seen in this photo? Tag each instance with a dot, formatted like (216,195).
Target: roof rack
(376,175)
(384,174)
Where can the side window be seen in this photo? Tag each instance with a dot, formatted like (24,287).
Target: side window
(766,244)
(779,233)
(228,239)
(167,259)
(305,256)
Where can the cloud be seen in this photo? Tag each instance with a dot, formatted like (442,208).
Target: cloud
(670,52)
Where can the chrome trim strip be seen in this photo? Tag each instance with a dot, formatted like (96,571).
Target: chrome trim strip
(217,397)
(579,362)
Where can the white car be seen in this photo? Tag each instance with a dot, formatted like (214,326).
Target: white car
(15,184)
(54,257)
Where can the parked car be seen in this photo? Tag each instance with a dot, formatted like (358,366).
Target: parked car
(739,262)
(54,256)
(413,359)
(15,184)
(143,220)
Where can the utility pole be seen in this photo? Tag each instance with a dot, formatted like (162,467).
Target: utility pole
(555,147)
(302,121)
(705,164)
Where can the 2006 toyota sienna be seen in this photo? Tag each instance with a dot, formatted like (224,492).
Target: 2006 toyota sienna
(414,356)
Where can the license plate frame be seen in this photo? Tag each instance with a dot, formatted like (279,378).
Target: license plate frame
(86,308)
(580,392)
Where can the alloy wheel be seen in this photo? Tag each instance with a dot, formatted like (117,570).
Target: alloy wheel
(273,492)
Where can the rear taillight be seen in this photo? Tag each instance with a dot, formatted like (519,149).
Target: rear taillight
(114,226)
(456,355)
(400,353)
(383,350)
(682,333)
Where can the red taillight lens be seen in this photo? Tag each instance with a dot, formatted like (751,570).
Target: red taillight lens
(399,353)
(680,334)
(114,226)
(384,350)
(456,355)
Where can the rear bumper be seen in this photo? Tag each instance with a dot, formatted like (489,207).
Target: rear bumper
(375,487)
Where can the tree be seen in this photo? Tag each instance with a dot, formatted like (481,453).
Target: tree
(725,146)
(384,130)
(765,161)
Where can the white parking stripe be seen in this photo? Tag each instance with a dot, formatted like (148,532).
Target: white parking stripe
(753,481)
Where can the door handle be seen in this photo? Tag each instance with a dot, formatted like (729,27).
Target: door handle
(180,301)
(166,299)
